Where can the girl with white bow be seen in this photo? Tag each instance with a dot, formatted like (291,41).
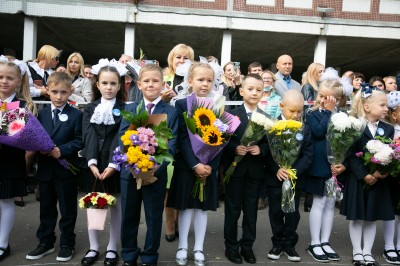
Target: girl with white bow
(101,121)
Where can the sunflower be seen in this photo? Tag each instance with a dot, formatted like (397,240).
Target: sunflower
(204,118)
(212,136)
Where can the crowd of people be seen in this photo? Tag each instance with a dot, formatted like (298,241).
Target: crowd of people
(83,118)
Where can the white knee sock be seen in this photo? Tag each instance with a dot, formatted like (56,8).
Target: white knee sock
(388,234)
(316,213)
(398,233)
(327,222)
(94,242)
(356,230)
(115,226)
(184,219)
(6,221)
(369,233)
(200,226)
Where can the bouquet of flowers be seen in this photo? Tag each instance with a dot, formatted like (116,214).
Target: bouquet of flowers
(380,157)
(257,127)
(145,145)
(344,129)
(22,130)
(209,128)
(96,205)
(285,139)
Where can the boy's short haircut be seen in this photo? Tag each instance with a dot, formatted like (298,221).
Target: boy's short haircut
(87,66)
(254,76)
(59,78)
(253,65)
(150,67)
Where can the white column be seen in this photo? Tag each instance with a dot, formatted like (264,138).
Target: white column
(30,36)
(272,68)
(226,47)
(129,47)
(320,50)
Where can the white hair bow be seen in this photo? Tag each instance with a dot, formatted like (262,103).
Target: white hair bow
(19,63)
(331,73)
(393,99)
(104,62)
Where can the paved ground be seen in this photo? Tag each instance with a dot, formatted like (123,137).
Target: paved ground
(23,240)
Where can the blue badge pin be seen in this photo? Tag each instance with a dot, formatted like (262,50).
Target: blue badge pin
(116,112)
(63,117)
(380,131)
(299,136)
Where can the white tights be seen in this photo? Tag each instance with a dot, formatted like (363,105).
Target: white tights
(115,229)
(321,221)
(200,226)
(6,221)
(389,228)
(362,229)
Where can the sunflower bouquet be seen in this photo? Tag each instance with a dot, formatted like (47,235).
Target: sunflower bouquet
(256,129)
(209,128)
(285,139)
(145,145)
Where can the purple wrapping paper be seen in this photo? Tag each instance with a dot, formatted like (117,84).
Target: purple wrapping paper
(33,137)
(204,152)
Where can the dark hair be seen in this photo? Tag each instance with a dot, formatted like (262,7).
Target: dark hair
(253,65)
(376,78)
(254,76)
(356,75)
(60,65)
(121,94)
(87,66)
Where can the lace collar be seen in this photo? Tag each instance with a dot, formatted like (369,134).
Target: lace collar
(103,112)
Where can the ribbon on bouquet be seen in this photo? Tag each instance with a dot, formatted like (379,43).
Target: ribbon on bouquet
(293,177)
(339,185)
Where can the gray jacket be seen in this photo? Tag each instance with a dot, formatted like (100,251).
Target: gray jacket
(82,91)
(281,87)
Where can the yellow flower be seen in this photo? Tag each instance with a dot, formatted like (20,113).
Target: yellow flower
(204,118)
(93,200)
(132,159)
(145,169)
(81,205)
(139,164)
(145,162)
(151,164)
(127,142)
(212,136)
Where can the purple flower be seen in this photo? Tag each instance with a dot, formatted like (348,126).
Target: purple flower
(136,142)
(134,137)
(221,126)
(137,170)
(359,154)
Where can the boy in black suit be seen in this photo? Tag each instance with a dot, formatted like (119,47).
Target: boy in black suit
(284,225)
(64,125)
(244,185)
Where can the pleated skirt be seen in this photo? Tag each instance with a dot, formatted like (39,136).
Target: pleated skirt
(12,187)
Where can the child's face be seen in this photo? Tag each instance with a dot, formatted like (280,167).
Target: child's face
(396,115)
(108,85)
(323,95)
(378,109)
(202,81)
(151,85)
(9,80)
(252,91)
(292,109)
(59,94)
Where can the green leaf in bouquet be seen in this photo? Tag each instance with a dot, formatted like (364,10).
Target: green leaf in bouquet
(139,109)
(165,156)
(144,118)
(128,116)
(191,124)
(167,134)
(162,143)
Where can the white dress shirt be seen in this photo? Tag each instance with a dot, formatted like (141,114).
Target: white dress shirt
(52,110)
(155,102)
(248,111)
(36,92)
(9,99)
(373,127)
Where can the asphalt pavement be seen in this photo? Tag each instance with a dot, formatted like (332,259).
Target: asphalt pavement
(23,240)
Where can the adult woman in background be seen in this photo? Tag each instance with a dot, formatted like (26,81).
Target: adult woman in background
(232,81)
(390,84)
(356,80)
(378,82)
(82,86)
(310,88)
(269,95)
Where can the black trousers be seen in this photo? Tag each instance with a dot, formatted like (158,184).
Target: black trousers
(66,192)
(283,225)
(240,192)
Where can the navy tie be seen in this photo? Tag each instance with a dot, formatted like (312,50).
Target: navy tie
(249,115)
(55,118)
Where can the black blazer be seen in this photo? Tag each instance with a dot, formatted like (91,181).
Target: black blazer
(254,165)
(304,160)
(67,136)
(184,158)
(101,140)
(12,160)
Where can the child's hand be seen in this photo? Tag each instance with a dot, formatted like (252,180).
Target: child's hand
(202,171)
(282,174)
(378,175)
(370,180)
(109,171)
(44,152)
(241,150)
(254,150)
(55,153)
(330,103)
(95,171)
(337,169)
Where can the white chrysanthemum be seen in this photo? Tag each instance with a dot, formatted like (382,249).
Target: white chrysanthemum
(341,122)
(258,118)
(355,123)
(268,124)
(374,146)
(384,155)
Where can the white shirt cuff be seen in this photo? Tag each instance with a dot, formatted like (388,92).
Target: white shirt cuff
(34,92)
(92,161)
(113,165)
(195,166)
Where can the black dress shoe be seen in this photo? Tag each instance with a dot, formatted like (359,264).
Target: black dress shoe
(248,256)
(41,250)
(392,260)
(176,233)
(221,196)
(331,256)
(292,255)
(275,253)
(130,263)
(19,203)
(86,261)
(30,191)
(370,262)
(319,258)
(113,261)
(6,252)
(170,238)
(358,262)
(233,256)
